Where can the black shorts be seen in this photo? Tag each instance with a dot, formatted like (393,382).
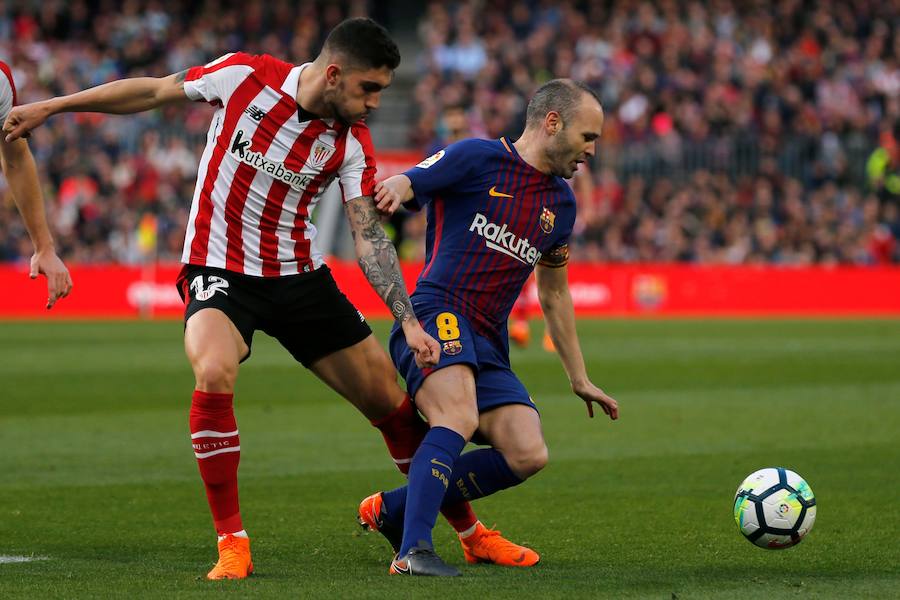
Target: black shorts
(306,313)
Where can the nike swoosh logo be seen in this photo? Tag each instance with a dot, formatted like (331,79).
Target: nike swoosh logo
(475,483)
(435,461)
(519,558)
(402,567)
(493,192)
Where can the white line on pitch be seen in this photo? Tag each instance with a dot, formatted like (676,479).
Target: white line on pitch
(5,558)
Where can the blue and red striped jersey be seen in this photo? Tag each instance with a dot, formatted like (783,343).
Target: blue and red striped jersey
(491,216)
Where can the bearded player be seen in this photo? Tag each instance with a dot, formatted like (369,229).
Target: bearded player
(497,211)
(280,134)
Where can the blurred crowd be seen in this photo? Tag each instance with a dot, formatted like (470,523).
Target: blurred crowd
(736,132)
(103,174)
(759,131)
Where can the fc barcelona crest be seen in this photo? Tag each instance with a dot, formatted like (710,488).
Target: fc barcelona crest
(320,153)
(452,348)
(548,219)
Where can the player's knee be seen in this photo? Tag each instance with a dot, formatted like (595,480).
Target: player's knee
(528,461)
(214,375)
(462,422)
(468,424)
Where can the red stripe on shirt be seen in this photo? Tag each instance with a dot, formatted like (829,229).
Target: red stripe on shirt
(12,84)
(268,224)
(262,138)
(243,95)
(301,244)
(364,137)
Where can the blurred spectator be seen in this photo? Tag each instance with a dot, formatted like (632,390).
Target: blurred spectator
(735,132)
(103,173)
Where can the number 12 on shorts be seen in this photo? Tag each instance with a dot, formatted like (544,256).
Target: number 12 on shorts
(447,326)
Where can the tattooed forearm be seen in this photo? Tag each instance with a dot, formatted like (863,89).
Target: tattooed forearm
(180,76)
(378,258)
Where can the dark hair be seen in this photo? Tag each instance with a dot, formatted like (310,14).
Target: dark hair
(364,44)
(560,95)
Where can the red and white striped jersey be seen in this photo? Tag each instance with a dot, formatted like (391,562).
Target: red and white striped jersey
(7,92)
(264,170)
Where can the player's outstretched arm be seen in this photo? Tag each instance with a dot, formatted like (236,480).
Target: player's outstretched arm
(121,97)
(21,173)
(559,315)
(378,260)
(392,192)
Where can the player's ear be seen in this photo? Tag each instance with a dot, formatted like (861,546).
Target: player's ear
(553,123)
(333,73)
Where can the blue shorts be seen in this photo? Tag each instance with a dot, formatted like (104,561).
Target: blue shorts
(495,383)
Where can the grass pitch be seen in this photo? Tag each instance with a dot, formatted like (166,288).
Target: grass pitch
(97,477)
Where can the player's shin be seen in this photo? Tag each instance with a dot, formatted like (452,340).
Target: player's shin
(429,476)
(476,474)
(214,435)
(403,431)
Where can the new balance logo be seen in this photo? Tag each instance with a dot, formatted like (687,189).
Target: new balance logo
(497,238)
(240,148)
(255,112)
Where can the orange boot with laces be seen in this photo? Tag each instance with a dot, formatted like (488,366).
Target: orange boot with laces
(234,559)
(488,546)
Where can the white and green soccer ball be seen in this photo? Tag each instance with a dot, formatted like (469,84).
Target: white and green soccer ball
(774,508)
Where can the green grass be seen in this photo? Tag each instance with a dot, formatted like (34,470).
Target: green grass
(97,475)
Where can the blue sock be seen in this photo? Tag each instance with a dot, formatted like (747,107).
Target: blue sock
(476,474)
(429,477)
(479,473)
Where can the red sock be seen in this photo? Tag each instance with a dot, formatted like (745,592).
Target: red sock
(217,446)
(460,516)
(403,430)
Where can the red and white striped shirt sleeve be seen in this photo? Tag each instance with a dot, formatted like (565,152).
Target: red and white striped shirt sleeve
(7,92)
(216,81)
(357,172)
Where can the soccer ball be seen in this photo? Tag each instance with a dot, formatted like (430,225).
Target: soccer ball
(774,508)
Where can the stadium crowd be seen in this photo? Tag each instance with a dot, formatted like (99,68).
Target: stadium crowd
(736,132)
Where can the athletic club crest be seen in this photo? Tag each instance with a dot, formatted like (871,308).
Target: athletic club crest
(548,219)
(320,153)
(452,348)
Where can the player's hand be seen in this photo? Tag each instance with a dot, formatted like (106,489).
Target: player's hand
(59,282)
(391,193)
(590,393)
(22,119)
(425,348)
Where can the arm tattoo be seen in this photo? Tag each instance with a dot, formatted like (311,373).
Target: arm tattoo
(181,76)
(378,258)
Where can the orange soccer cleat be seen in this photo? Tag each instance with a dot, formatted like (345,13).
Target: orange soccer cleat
(234,559)
(371,518)
(520,333)
(488,546)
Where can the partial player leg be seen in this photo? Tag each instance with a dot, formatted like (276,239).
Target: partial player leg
(215,347)
(447,399)
(363,374)
(519,452)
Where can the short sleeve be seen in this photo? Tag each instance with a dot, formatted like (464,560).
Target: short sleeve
(442,170)
(7,92)
(216,81)
(357,172)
